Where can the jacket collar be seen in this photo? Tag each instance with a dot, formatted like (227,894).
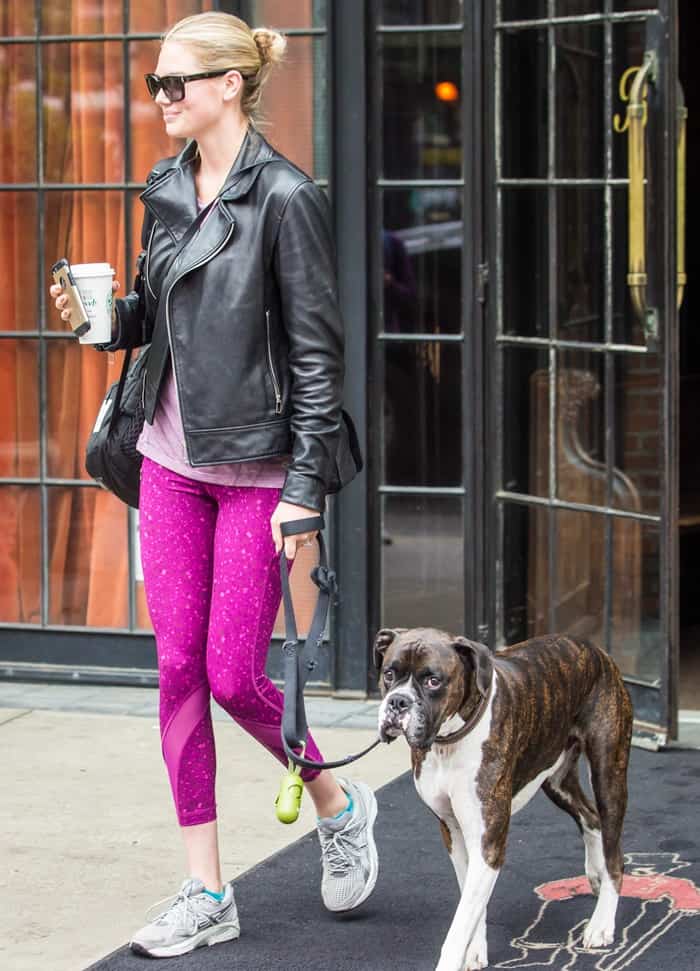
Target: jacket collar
(172,197)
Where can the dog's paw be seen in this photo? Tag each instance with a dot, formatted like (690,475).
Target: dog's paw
(477,957)
(597,935)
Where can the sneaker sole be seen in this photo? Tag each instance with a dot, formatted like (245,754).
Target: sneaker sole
(209,936)
(373,858)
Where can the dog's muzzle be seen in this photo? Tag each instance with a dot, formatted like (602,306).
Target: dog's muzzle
(395,714)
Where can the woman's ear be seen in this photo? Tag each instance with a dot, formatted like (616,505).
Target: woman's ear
(480,659)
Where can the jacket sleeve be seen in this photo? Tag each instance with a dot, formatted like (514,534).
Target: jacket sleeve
(132,326)
(304,263)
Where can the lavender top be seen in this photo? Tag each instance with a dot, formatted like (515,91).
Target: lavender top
(164,443)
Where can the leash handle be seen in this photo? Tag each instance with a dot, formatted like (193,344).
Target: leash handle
(298,666)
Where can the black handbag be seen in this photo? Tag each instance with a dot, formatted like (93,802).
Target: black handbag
(111,457)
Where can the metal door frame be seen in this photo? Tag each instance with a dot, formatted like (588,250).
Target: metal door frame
(649,701)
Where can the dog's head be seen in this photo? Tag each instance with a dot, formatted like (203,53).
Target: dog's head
(426,676)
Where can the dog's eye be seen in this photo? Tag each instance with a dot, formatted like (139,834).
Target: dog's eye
(389,675)
(433,682)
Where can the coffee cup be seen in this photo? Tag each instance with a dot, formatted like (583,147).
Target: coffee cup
(94,281)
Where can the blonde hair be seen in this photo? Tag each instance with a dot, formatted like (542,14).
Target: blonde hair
(221,40)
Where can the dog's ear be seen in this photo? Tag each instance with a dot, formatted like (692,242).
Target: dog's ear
(479,658)
(383,639)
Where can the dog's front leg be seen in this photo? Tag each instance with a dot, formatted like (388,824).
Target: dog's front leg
(469,923)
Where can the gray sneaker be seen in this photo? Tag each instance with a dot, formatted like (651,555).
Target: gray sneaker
(193,919)
(348,851)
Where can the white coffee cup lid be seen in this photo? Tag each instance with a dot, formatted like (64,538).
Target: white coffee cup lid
(92,269)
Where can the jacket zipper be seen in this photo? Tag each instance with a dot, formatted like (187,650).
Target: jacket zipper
(278,395)
(205,259)
(148,257)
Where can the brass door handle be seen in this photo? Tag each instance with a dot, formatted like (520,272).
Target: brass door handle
(680,197)
(637,271)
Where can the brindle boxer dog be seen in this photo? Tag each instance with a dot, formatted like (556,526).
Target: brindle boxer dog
(486,730)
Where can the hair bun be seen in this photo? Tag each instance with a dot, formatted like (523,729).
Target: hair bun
(270,43)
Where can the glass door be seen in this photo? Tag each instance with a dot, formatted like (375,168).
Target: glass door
(583,332)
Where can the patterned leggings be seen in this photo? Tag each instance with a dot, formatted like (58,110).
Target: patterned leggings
(213,590)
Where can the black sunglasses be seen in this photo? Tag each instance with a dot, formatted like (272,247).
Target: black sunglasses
(173,85)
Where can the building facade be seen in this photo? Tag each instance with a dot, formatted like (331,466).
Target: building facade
(512,277)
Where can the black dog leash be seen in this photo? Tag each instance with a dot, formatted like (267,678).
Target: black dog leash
(300,660)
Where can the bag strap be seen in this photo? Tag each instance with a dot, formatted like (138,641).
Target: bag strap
(299,664)
(120,389)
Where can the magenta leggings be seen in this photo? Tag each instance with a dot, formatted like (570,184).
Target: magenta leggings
(213,591)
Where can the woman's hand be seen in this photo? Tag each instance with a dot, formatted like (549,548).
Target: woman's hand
(60,298)
(287,512)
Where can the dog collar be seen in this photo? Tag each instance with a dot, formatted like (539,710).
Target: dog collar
(470,723)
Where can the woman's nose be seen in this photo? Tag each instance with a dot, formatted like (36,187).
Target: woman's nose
(161,99)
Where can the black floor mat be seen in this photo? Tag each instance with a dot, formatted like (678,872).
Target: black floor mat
(401,927)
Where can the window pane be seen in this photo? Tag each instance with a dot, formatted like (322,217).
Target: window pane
(578,590)
(525,576)
(524,269)
(638,439)
(295,106)
(581,472)
(398,12)
(422,419)
(81,18)
(523,9)
(421,77)
(580,264)
(422,244)
(19,415)
(280,14)
(636,630)
(629,43)
(18,239)
(77,379)
(422,562)
(18,106)
(17,18)
(523,133)
(579,100)
(88,570)
(20,555)
(86,227)
(159,17)
(83,112)
(525,443)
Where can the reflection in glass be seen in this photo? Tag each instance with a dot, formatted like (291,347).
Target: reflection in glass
(523,9)
(422,416)
(19,415)
(524,267)
(636,629)
(580,265)
(422,562)
(523,94)
(88,568)
(18,106)
(410,12)
(421,77)
(20,555)
(524,612)
(83,118)
(638,432)
(525,444)
(422,246)
(579,100)
(626,326)
(18,238)
(578,588)
(581,471)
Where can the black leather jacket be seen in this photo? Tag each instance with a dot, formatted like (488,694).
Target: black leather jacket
(248,311)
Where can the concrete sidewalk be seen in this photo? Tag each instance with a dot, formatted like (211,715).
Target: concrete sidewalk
(90,838)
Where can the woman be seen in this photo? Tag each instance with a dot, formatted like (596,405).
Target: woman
(237,296)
